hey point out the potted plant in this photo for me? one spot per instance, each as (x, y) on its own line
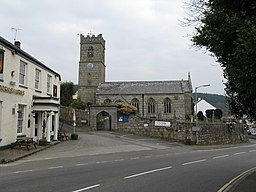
(74, 136)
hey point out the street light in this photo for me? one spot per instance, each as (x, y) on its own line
(205, 85)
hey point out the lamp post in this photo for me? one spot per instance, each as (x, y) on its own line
(205, 85)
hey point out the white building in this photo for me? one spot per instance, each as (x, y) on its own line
(29, 96)
(203, 105)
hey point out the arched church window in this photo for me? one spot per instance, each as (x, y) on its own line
(167, 105)
(90, 51)
(135, 103)
(151, 105)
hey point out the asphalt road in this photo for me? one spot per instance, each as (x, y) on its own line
(109, 162)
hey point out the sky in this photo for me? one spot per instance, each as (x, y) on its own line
(145, 39)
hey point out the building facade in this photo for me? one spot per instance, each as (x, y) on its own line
(153, 99)
(29, 96)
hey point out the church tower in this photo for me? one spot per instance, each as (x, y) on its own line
(91, 67)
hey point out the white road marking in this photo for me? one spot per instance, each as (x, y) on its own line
(57, 167)
(86, 188)
(101, 162)
(222, 156)
(239, 153)
(134, 158)
(126, 135)
(24, 171)
(227, 186)
(81, 164)
(117, 160)
(147, 172)
(254, 150)
(192, 162)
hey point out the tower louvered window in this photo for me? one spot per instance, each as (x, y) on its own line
(90, 51)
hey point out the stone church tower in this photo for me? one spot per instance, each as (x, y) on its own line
(91, 67)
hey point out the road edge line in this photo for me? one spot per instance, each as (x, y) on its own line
(236, 180)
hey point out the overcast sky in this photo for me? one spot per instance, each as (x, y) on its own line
(145, 39)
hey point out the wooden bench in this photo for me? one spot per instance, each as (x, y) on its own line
(24, 141)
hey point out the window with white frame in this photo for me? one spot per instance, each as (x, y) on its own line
(21, 120)
(37, 79)
(22, 79)
(49, 83)
(1, 64)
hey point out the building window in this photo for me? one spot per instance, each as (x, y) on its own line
(37, 79)
(135, 103)
(151, 106)
(167, 105)
(55, 91)
(23, 66)
(1, 64)
(49, 83)
(20, 125)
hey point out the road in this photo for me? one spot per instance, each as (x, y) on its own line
(112, 162)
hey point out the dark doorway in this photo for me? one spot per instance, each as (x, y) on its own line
(103, 121)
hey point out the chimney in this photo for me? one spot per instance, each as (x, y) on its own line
(17, 44)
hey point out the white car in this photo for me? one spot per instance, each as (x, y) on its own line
(253, 130)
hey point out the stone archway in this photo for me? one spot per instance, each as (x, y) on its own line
(103, 121)
(110, 112)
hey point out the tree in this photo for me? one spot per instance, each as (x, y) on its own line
(126, 108)
(200, 115)
(219, 114)
(78, 104)
(209, 113)
(66, 93)
(227, 29)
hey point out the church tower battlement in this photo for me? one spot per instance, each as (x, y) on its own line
(91, 67)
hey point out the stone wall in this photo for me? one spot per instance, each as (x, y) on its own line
(82, 117)
(209, 134)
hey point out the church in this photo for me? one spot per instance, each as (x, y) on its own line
(164, 100)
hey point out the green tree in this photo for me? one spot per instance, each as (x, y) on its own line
(66, 93)
(209, 113)
(78, 104)
(200, 115)
(218, 113)
(227, 29)
(126, 108)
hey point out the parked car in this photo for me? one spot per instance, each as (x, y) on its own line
(252, 131)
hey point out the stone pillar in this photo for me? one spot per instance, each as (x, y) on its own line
(32, 125)
(48, 127)
(40, 127)
(56, 126)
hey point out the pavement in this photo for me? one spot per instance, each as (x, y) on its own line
(245, 182)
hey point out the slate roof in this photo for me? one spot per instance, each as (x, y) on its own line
(144, 87)
(16, 50)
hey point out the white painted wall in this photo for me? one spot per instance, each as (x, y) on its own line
(9, 101)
